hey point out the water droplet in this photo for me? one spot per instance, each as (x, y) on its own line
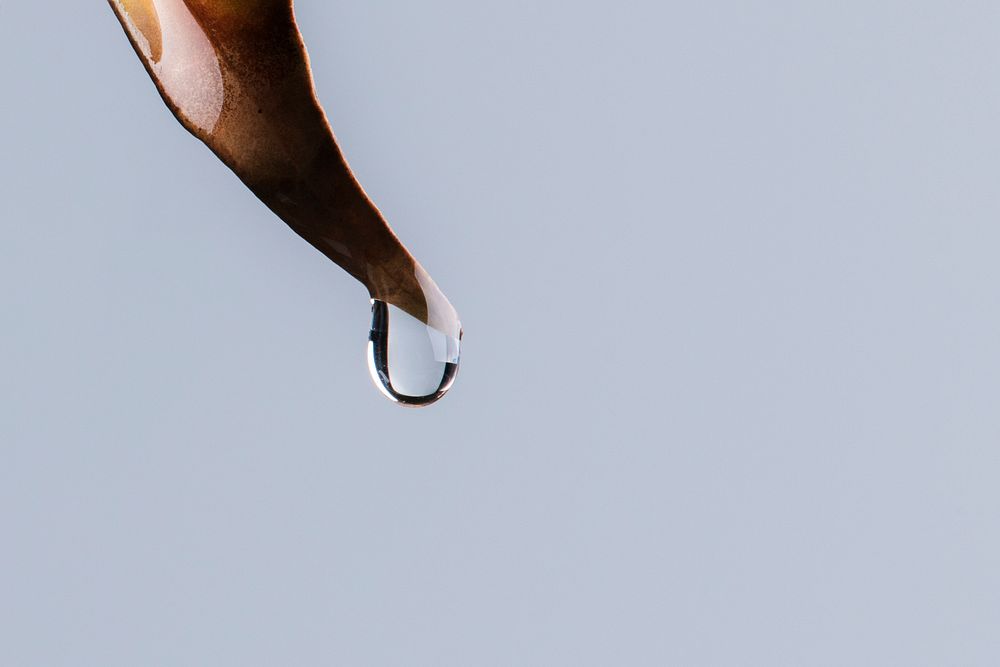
(412, 363)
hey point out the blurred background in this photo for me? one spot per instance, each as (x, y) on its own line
(729, 282)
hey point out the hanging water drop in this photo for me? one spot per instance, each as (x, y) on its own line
(412, 363)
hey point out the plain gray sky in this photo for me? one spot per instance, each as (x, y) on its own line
(730, 285)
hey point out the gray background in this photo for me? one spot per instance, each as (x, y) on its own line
(728, 273)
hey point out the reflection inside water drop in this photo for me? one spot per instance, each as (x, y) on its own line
(410, 362)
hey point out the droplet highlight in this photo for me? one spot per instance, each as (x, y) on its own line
(413, 364)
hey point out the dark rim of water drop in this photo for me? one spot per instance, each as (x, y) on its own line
(378, 357)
